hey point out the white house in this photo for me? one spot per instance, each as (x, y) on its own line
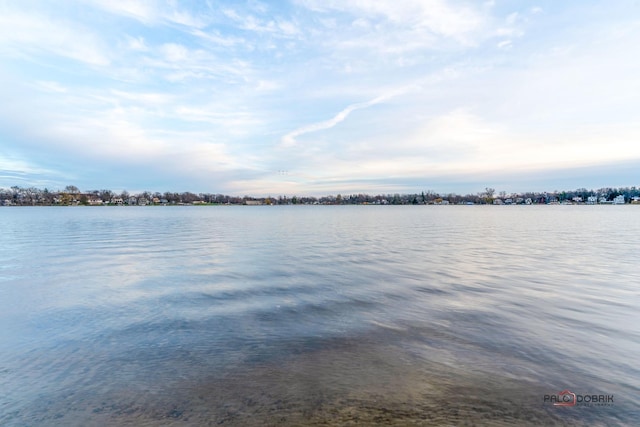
(619, 200)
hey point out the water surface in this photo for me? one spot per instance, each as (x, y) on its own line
(324, 315)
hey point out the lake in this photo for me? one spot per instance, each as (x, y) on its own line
(319, 315)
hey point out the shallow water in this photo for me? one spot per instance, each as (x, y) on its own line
(324, 315)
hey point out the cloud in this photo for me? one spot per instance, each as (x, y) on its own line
(174, 52)
(290, 139)
(276, 26)
(28, 35)
(15, 165)
(50, 86)
(417, 16)
(456, 146)
(142, 10)
(152, 12)
(213, 36)
(137, 44)
(147, 99)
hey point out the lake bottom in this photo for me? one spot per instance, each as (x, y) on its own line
(386, 377)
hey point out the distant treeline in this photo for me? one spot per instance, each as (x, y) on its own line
(71, 195)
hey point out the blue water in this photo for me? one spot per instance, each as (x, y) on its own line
(323, 315)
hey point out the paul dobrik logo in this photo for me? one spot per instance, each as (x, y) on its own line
(568, 398)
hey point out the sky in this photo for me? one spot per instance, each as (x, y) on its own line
(316, 97)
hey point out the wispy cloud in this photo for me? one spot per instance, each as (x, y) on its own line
(50, 86)
(216, 38)
(289, 139)
(15, 165)
(137, 44)
(417, 17)
(30, 35)
(152, 12)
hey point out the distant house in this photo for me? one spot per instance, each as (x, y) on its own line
(619, 200)
(132, 201)
(498, 202)
(95, 201)
(252, 202)
(117, 201)
(592, 200)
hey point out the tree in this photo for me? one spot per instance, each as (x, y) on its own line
(65, 199)
(72, 189)
(489, 192)
(106, 195)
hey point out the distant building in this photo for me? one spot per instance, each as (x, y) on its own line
(592, 200)
(252, 202)
(619, 200)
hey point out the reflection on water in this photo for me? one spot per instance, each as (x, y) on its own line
(358, 315)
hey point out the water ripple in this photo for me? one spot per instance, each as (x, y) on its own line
(317, 315)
